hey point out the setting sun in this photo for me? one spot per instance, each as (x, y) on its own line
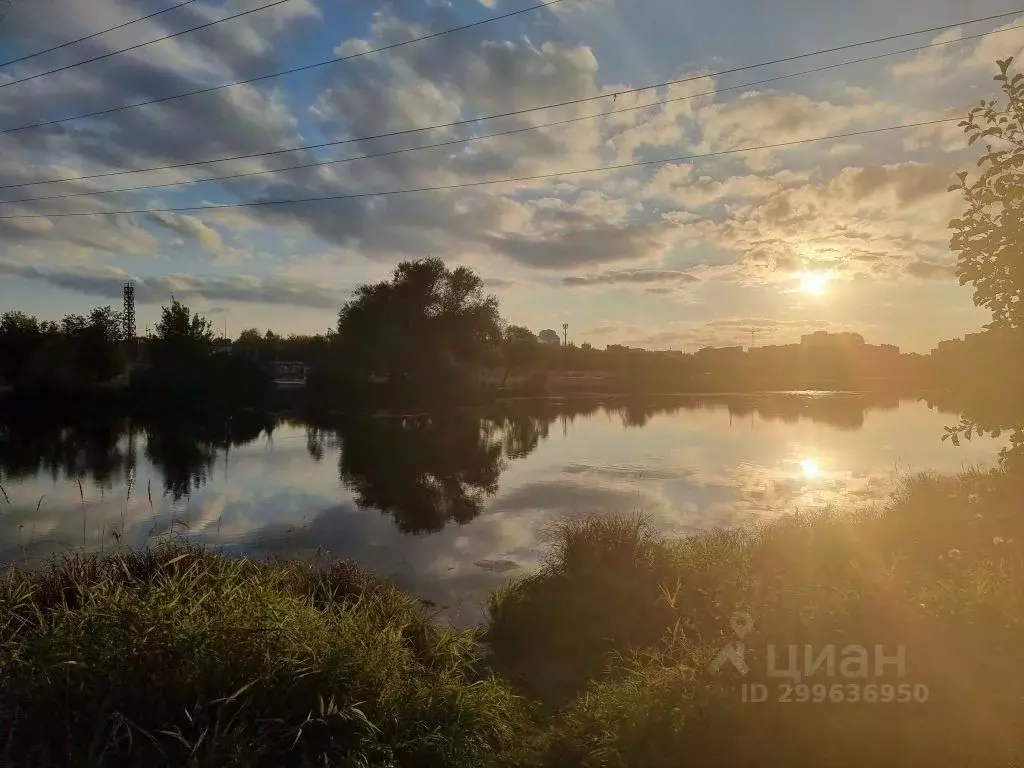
(813, 282)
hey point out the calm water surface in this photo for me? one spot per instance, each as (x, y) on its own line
(450, 505)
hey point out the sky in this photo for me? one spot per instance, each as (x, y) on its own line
(674, 254)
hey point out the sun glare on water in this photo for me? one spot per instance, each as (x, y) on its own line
(814, 283)
(810, 468)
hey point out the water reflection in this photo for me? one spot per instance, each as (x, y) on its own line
(98, 451)
(810, 469)
(479, 486)
(105, 452)
(424, 471)
(185, 451)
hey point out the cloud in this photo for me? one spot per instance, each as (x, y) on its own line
(757, 118)
(631, 277)
(109, 282)
(998, 44)
(870, 220)
(593, 245)
(679, 183)
(190, 227)
(929, 62)
(930, 270)
(499, 282)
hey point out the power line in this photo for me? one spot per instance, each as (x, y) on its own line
(324, 63)
(143, 45)
(471, 184)
(94, 34)
(467, 140)
(514, 113)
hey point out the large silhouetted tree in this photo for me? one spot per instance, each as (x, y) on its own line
(421, 325)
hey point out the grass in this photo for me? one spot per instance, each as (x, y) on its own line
(630, 623)
(182, 657)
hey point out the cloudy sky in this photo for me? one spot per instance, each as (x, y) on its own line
(668, 255)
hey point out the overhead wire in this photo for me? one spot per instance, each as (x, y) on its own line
(28, 56)
(513, 113)
(470, 139)
(111, 54)
(281, 73)
(489, 182)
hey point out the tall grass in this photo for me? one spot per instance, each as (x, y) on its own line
(178, 656)
(616, 633)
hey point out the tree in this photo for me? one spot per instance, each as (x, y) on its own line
(98, 351)
(20, 340)
(250, 337)
(421, 325)
(518, 334)
(990, 235)
(989, 240)
(181, 338)
(550, 337)
(520, 347)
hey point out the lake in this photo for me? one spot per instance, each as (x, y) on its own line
(449, 505)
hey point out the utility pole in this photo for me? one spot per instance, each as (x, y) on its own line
(128, 330)
(565, 334)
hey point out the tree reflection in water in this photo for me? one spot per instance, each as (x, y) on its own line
(101, 451)
(185, 451)
(425, 471)
(105, 452)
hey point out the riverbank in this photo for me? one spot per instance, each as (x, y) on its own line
(182, 657)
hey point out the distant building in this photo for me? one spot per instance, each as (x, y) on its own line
(289, 375)
(832, 340)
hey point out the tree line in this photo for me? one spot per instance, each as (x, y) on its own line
(429, 333)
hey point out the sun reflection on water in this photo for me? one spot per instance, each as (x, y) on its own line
(810, 469)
